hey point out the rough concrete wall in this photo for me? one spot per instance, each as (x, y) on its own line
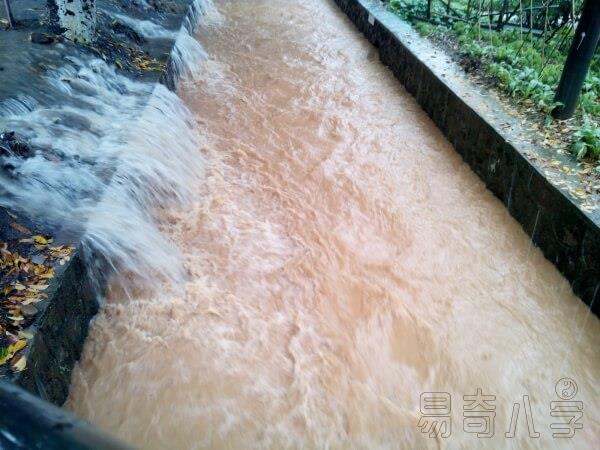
(61, 329)
(77, 17)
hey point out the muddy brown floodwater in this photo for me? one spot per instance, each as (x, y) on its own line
(342, 260)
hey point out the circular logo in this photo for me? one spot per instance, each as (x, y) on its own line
(566, 388)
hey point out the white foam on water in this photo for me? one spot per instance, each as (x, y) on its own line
(187, 56)
(146, 28)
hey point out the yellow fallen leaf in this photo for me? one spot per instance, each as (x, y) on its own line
(41, 240)
(48, 274)
(37, 287)
(19, 345)
(31, 300)
(19, 365)
(12, 349)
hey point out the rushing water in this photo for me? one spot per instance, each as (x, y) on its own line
(105, 161)
(340, 260)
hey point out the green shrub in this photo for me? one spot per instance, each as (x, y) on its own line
(587, 141)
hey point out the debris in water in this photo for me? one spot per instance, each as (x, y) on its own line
(20, 228)
(44, 38)
(12, 144)
(125, 30)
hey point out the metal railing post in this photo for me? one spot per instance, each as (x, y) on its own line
(583, 47)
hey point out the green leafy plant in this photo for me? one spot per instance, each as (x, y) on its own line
(587, 141)
(523, 66)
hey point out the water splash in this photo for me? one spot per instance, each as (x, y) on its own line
(186, 57)
(202, 13)
(158, 164)
(146, 28)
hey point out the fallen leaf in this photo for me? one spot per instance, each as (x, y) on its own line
(38, 287)
(28, 310)
(20, 228)
(8, 353)
(49, 273)
(41, 240)
(19, 365)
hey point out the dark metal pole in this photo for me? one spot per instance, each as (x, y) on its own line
(503, 12)
(429, 9)
(27, 422)
(579, 59)
(9, 15)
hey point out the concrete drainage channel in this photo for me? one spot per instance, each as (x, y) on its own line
(475, 124)
(61, 323)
